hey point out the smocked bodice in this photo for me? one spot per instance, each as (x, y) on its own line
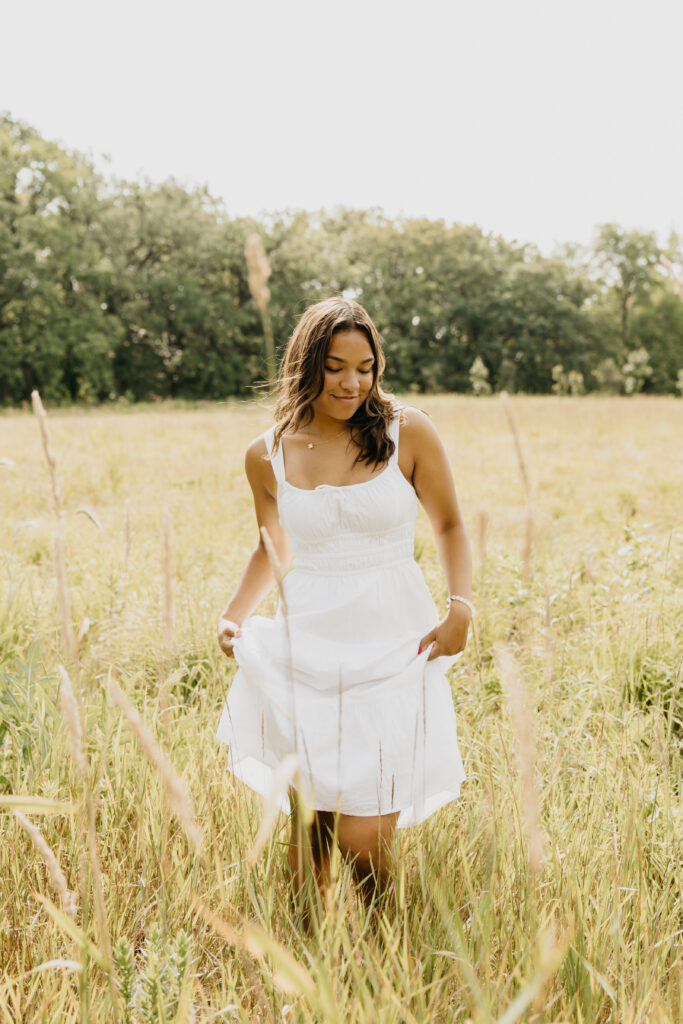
(349, 528)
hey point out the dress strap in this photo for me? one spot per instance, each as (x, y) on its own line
(277, 460)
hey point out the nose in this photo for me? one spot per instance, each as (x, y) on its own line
(349, 381)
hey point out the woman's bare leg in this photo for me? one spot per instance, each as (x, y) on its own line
(369, 842)
(308, 853)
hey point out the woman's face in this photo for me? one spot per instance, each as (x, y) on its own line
(349, 374)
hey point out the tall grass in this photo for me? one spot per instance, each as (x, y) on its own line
(133, 915)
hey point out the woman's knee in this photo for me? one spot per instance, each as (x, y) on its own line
(366, 839)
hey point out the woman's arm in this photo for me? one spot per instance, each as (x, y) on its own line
(257, 578)
(422, 453)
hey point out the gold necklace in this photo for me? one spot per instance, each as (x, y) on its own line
(318, 444)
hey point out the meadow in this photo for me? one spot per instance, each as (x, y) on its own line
(130, 889)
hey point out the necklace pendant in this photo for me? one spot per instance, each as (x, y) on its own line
(310, 444)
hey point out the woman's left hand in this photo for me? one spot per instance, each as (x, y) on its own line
(450, 636)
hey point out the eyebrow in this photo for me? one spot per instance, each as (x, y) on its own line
(340, 360)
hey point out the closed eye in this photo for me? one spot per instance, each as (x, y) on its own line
(338, 369)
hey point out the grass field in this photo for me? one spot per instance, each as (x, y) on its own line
(153, 927)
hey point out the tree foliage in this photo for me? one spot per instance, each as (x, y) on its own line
(140, 289)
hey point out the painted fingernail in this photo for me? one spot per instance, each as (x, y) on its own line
(419, 650)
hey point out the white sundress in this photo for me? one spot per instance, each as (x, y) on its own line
(339, 682)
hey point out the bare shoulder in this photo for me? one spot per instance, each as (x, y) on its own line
(256, 452)
(420, 449)
(417, 428)
(257, 465)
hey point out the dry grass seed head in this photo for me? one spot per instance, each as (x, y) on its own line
(39, 410)
(258, 270)
(522, 716)
(521, 460)
(482, 522)
(72, 716)
(63, 598)
(676, 280)
(57, 877)
(174, 785)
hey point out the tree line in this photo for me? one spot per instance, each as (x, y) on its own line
(112, 289)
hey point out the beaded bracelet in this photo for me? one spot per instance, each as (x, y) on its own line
(463, 600)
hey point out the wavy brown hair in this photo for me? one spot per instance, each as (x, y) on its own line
(302, 374)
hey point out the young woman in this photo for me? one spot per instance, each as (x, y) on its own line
(349, 675)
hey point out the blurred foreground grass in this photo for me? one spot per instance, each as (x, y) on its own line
(471, 931)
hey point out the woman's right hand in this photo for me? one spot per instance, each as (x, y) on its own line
(228, 631)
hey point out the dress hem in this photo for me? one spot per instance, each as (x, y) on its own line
(257, 776)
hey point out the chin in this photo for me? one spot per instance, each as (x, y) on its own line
(345, 411)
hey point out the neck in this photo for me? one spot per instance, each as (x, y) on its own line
(325, 426)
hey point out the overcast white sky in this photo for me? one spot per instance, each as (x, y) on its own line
(535, 119)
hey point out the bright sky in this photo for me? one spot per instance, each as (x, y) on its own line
(535, 119)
